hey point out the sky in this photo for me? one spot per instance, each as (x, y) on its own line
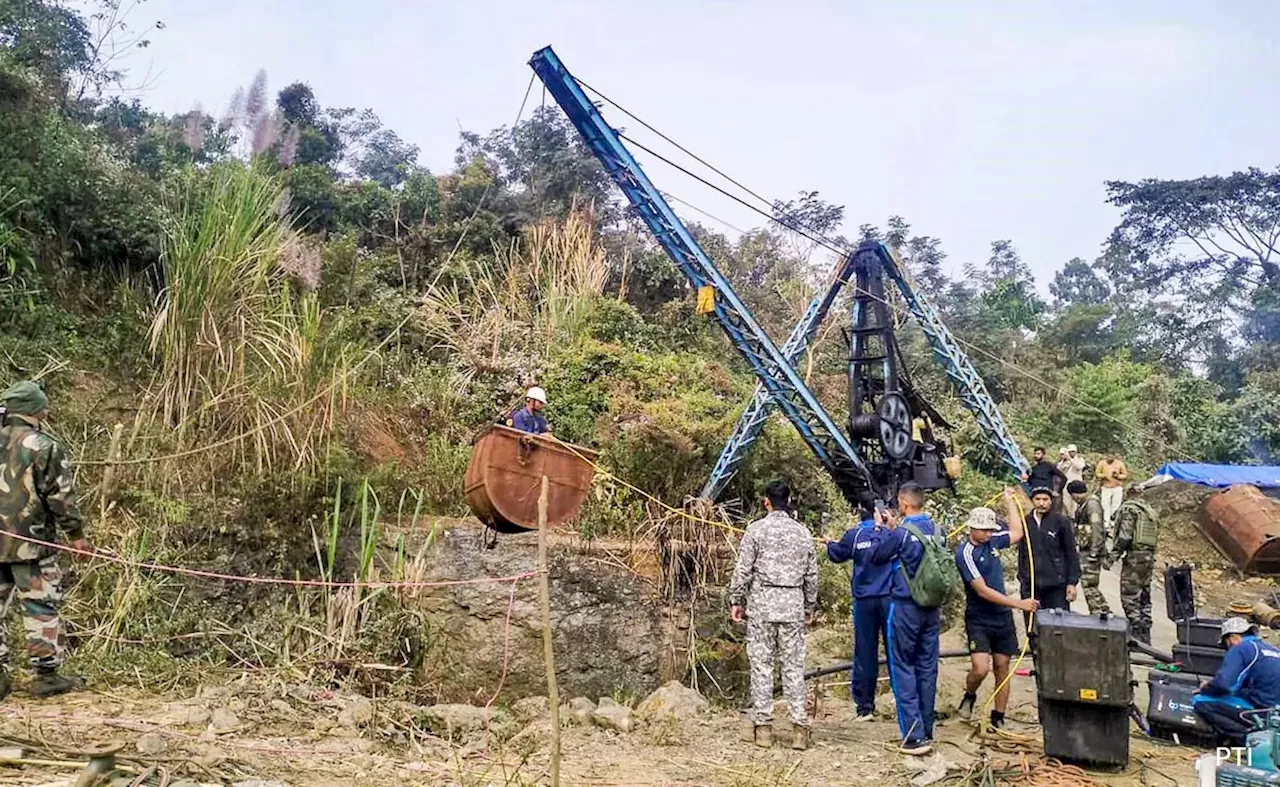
(975, 120)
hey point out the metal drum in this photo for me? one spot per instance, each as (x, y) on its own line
(505, 474)
(1244, 524)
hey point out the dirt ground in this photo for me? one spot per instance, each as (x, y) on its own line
(254, 729)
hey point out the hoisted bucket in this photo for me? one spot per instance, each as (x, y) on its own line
(505, 475)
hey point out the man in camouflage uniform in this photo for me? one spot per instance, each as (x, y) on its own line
(37, 501)
(775, 585)
(1091, 531)
(1136, 529)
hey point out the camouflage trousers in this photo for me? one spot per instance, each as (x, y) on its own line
(1135, 591)
(37, 586)
(784, 642)
(1090, 574)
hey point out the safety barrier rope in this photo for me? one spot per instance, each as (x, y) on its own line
(253, 580)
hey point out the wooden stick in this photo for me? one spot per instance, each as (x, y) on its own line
(548, 651)
(108, 475)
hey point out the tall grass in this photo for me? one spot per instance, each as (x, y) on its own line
(536, 292)
(239, 346)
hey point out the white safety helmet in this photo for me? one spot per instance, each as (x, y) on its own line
(537, 393)
(1235, 626)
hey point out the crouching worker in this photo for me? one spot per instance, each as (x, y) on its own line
(37, 501)
(775, 587)
(1249, 679)
(988, 611)
(870, 585)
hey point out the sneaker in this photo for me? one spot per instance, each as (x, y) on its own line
(965, 710)
(764, 735)
(800, 738)
(865, 717)
(997, 720)
(51, 684)
(915, 748)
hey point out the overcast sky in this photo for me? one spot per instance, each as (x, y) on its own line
(975, 120)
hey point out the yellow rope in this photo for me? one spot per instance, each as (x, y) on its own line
(1026, 639)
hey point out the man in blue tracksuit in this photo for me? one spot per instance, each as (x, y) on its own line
(1249, 679)
(870, 587)
(913, 630)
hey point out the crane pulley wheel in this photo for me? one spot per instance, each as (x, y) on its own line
(895, 426)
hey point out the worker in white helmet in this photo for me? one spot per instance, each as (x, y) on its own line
(530, 418)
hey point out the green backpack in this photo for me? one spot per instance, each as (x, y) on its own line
(937, 576)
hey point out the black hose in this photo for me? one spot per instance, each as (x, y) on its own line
(848, 665)
(1158, 655)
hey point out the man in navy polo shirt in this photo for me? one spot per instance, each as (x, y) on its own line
(870, 588)
(988, 610)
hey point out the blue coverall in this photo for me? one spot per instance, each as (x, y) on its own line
(913, 633)
(870, 588)
(1248, 679)
(527, 420)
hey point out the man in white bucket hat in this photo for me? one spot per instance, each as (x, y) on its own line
(988, 610)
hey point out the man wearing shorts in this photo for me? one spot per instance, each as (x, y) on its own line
(988, 611)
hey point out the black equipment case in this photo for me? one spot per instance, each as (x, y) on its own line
(1083, 682)
(1082, 658)
(1198, 660)
(1201, 632)
(1169, 713)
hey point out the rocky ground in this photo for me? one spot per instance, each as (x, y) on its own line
(258, 733)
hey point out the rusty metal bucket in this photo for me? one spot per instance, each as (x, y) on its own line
(505, 475)
(1244, 524)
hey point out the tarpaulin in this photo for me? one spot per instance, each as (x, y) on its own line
(1262, 476)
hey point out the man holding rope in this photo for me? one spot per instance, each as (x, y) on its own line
(37, 501)
(988, 610)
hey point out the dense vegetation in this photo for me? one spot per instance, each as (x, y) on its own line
(292, 273)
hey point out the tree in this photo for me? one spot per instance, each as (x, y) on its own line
(547, 166)
(1007, 288)
(1231, 224)
(1078, 284)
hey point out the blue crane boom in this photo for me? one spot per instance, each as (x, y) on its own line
(761, 405)
(774, 370)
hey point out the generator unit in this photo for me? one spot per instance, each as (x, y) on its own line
(1084, 687)
(1169, 712)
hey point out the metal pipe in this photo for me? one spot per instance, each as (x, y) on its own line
(1158, 655)
(824, 671)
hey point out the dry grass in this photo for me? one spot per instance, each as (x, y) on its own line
(534, 294)
(240, 350)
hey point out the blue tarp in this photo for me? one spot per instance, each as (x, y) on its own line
(1262, 476)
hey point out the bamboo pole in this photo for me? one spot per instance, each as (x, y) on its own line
(548, 650)
(108, 475)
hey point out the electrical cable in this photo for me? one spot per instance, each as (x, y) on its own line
(818, 238)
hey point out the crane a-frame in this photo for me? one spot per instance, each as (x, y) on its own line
(876, 453)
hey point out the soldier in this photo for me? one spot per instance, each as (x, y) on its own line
(37, 501)
(1136, 529)
(1091, 530)
(775, 585)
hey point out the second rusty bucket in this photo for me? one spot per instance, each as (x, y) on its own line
(505, 475)
(1244, 524)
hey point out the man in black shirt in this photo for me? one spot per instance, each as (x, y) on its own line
(1053, 545)
(1046, 475)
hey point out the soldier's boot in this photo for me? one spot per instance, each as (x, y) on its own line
(764, 735)
(748, 731)
(49, 683)
(6, 683)
(800, 738)
(1142, 635)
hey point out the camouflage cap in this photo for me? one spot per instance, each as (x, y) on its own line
(25, 398)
